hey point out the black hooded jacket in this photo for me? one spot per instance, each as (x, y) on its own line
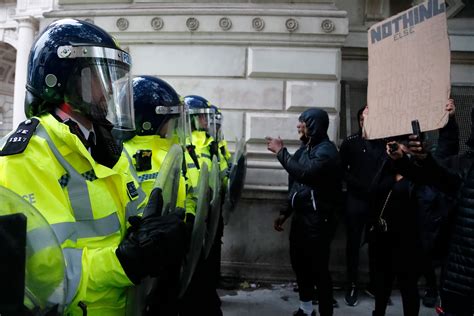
(314, 178)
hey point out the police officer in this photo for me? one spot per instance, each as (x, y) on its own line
(159, 124)
(65, 157)
(202, 294)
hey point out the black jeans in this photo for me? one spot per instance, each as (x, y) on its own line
(310, 261)
(396, 256)
(357, 216)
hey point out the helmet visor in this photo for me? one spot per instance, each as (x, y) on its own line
(203, 120)
(101, 90)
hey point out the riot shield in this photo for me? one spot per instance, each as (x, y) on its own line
(199, 230)
(236, 181)
(44, 272)
(168, 178)
(215, 207)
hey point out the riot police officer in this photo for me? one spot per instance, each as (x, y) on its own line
(159, 120)
(65, 157)
(202, 289)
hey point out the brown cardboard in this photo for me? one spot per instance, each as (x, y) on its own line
(409, 71)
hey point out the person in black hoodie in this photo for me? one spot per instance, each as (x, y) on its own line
(314, 197)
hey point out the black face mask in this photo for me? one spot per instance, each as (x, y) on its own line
(107, 149)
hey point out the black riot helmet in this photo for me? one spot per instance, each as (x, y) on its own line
(155, 102)
(78, 63)
(201, 114)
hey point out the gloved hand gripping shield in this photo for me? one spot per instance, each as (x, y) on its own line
(45, 271)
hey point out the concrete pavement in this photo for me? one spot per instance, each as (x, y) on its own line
(281, 300)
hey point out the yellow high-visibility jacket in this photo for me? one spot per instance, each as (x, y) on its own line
(159, 148)
(201, 144)
(87, 206)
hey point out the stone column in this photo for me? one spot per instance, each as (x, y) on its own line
(26, 32)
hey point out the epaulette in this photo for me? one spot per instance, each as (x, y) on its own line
(353, 136)
(18, 140)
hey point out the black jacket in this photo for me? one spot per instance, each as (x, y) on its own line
(360, 160)
(456, 178)
(314, 181)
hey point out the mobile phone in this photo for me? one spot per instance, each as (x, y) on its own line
(415, 125)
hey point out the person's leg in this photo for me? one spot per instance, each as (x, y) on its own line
(322, 277)
(407, 281)
(431, 289)
(383, 271)
(301, 264)
(356, 217)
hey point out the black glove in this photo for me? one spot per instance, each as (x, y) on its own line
(153, 244)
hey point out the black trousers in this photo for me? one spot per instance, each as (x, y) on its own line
(310, 261)
(396, 257)
(356, 216)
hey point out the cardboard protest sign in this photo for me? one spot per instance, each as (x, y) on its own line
(409, 71)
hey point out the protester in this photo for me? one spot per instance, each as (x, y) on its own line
(455, 178)
(80, 179)
(433, 210)
(358, 156)
(314, 197)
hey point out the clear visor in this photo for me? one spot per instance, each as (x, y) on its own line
(101, 89)
(176, 127)
(218, 124)
(203, 120)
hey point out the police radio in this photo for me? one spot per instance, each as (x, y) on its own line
(143, 159)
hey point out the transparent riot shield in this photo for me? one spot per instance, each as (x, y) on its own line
(45, 282)
(168, 178)
(235, 185)
(215, 207)
(168, 181)
(199, 230)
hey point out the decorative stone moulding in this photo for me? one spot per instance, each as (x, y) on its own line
(225, 24)
(328, 26)
(258, 24)
(122, 24)
(291, 25)
(192, 24)
(157, 23)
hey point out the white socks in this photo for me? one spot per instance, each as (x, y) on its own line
(307, 307)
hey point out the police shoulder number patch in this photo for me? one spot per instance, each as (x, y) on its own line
(19, 139)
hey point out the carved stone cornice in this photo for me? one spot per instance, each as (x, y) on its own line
(219, 25)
